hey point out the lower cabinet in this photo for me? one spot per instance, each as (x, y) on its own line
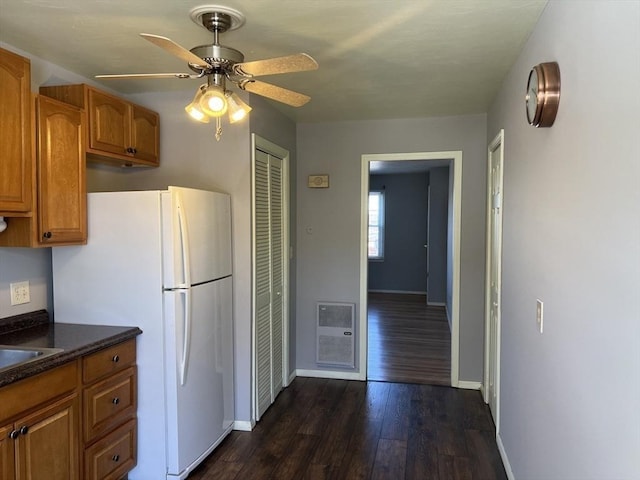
(109, 405)
(40, 427)
(76, 421)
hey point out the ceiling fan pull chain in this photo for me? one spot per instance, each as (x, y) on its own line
(218, 129)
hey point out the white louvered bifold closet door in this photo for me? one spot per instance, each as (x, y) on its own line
(268, 279)
(275, 183)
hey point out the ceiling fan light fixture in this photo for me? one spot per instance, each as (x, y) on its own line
(213, 101)
(237, 108)
(194, 110)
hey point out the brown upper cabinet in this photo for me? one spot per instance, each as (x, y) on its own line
(118, 131)
(16, 160)
(59, 213)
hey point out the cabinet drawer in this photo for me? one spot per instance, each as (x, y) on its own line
(109, 403)
(23, 395)
(113, 456)
(108, 361)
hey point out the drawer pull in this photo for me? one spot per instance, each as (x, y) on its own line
(24, 430)
(115, 400)
(116, 358)
(116, 458)
(14, 434)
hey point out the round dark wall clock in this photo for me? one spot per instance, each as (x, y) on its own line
(543, 94)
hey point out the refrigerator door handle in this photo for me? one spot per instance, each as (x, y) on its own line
(186, 329)
(184, 241)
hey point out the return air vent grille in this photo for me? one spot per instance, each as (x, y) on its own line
(335, 339)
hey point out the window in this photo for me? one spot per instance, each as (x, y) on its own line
(376, 225)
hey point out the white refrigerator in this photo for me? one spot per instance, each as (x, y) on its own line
(161, 260)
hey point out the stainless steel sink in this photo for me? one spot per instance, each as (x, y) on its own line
(12, 356)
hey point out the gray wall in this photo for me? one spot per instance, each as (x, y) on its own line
(405, 261)
(438, 228)
(190, 156)
(328, 258)
(571, 238)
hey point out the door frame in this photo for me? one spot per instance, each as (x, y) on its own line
(257, 142)
(455, 156)
(496, 145)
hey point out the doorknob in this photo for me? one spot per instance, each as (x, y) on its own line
(426, 246)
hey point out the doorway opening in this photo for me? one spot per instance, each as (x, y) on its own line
(383, 303)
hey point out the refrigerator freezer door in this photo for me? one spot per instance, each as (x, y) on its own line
(196, 228)
(200, 411)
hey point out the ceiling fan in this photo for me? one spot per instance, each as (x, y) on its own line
(219, 63)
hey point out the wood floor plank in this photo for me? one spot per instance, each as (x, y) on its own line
(391, 457)
(293, 465)
(456, 468)
(357, 463)
(484, 456)
(396, 416)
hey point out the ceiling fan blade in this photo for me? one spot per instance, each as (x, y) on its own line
(149, 75)
(273, 92)
(175, 49)
(300, 62)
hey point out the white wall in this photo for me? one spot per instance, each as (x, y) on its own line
(328, 258)
(570, 397)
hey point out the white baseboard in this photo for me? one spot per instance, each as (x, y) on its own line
(244, 425)
(505, 459)
(330, 374)
(292, 377)
(436, 304)
(409, 292)
(469, 385)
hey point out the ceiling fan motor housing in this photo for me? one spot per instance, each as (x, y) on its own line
(218, 56)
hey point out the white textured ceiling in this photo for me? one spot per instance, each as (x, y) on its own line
(378, 58)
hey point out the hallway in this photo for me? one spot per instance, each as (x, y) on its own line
(329, 429)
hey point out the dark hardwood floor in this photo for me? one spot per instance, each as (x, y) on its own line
(339, 429)
(408, 341)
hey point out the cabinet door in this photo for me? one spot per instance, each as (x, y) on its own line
(48, 448)
(109, 123)
(16, 168)
(145, 126)
(7, 459)
(62, 200)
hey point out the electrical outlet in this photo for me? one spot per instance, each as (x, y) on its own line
(20, 293)
(539, 314)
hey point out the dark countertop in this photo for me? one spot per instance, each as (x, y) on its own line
(35, 330)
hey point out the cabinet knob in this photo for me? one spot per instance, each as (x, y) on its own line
(115, 400)
(46, 234)
(116, 458)
(115, 359)
(24, 430)
(130, 150)
(14, 434)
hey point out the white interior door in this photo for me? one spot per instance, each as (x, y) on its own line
(494, 276)
(270, 274)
